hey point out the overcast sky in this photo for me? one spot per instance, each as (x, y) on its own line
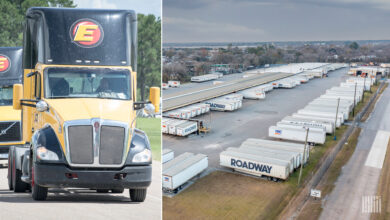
(140, 6)
(274, 20)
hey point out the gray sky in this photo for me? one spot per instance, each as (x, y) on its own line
(274, 20)
(140, 6)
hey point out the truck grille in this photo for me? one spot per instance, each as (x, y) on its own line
(111, 145)
(95, 143)
(10, 131)
(81, 144)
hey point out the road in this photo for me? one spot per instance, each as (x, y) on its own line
(80, 203)
(360, 176)
(230, 129)
(190, 96)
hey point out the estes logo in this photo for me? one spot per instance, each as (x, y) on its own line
(4, 63)
(86, 33)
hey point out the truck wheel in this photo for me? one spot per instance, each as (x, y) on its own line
(117, 190)
(38, 192)
(10, 165)
(102, 190)
(137, 195)
(19, 185)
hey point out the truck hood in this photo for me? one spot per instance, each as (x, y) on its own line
(87, 108)
(7, 113)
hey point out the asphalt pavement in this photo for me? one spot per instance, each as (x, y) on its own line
(230, 129)
(80, 203)
(359, 177)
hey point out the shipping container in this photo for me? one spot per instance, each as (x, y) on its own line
(176, 176)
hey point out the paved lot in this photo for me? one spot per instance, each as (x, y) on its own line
(357, 178)
(80, 203)
(230, 129)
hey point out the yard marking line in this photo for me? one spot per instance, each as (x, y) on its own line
(377, 153)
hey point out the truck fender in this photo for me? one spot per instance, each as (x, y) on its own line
(47, 137)
(18, 155)
(139, 142)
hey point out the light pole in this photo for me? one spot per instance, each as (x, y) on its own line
(335, 121)
(304, 156)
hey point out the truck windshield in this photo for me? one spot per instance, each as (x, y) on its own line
(6, 96)
(87, 83)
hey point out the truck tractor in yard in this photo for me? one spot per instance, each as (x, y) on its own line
(78, 104)
(10, 74)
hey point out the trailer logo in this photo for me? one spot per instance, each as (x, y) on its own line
(251, 166)
(278, 132)
(4, 63)
(86, 33)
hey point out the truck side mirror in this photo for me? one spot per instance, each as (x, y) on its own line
(17, 96)
(154, 97)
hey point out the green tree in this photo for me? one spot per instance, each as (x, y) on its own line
(149, 53)
(12, 14)
(354, 46)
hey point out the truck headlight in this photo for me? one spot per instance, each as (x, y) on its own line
(143, 156)
(45, 154)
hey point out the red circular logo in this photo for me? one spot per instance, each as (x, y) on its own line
(4, 63)
(86, 33)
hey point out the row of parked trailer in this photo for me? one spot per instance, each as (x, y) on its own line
(178, 127)
(275, 160)
(179, 170)
(189, 111)
(206, 77)
(322, 115)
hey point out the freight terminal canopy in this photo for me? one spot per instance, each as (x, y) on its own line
(10, 65)
(80, 37)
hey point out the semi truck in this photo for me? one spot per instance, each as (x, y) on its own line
(78, 103)
(10, 73)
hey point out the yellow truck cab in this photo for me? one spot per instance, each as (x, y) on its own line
(78, 104)
(10, 74)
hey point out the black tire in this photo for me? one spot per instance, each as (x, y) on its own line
(102, 190)
(137, 195)
(10, 166)
(118, 190)
(38, 192)
(19, 185)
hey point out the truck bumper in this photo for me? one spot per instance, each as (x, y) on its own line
(57, 175)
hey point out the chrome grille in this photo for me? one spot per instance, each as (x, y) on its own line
(81, 144)
(96, 143)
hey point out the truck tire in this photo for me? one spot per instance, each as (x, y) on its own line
(102, 190)
(38, 192)
(9, 174)
(118, 190)
(18, 184)
(137, 195)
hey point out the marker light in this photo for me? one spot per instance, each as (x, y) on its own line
(45, 154)
(143, 156)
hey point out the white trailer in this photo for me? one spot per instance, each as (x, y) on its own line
(164, 86)
(204, 78)
(253, 94)
(345, 93)
(283, 124)
(173, 125)
(174, 177)
(322, 114)
(295, 155)
(259, 153)
(174, 83)
(308, 122)
(165, 124)
(316, 136)
(280, 145)
(187, 128)
(177, 160)
(318, 118)
(342, 97)
(167, 155)
(255, 165)
(340, 111)
(332, 104)
(233, 96)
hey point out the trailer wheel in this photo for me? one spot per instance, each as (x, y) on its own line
(137, 195)
(10, 165)
(38, 192)
(102, 190)
(118, 190)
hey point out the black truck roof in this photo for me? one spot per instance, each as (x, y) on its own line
(10, 65)
(70, 36)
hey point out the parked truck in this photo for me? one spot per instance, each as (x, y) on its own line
(78, 103)
(10, 73)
